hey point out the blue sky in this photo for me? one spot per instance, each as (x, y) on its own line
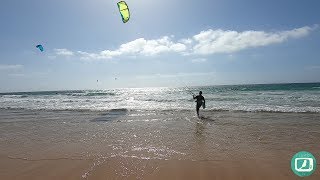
(165, 43)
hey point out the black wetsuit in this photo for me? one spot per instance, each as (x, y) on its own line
(199, 100)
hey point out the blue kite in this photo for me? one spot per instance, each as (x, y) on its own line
(40, 47)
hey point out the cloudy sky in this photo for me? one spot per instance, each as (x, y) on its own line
(165, 43)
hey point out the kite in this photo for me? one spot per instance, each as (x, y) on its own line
(40, 47)
(124, 11)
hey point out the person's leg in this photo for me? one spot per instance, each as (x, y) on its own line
(198, 110)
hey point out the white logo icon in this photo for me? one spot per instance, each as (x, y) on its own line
(303, 164)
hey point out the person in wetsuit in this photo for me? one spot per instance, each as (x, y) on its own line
(200, 101)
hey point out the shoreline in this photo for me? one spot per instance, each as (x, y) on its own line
(153, 110)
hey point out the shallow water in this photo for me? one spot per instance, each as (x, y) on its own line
(130, 137)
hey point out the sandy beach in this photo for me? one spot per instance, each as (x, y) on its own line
(123, 144)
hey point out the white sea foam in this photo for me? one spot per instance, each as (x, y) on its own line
(273, 98)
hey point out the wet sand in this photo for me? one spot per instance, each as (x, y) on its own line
(123, 144)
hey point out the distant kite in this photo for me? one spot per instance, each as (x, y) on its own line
(40, 47)
(124, 11)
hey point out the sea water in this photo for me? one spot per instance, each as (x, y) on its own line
(300, 97)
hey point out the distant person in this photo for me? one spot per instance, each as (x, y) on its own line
(200, 102)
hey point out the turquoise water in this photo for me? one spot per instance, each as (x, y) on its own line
(260, 97)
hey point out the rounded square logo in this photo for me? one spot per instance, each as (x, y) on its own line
(303, 163)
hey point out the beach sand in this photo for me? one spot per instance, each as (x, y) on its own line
(123, 144)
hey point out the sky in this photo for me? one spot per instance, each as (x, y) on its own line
(166, 43)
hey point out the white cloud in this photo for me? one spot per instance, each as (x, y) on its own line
(138, 47)
(199, 60)
(205, 43)
(10, 67)
(152, 76)
(85, 55)
(220, 41)
(186, 41)
(63, 52)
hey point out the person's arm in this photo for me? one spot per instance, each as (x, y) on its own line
(204, 101)
(194, 96)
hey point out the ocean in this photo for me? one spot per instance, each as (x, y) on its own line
(298, 97)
